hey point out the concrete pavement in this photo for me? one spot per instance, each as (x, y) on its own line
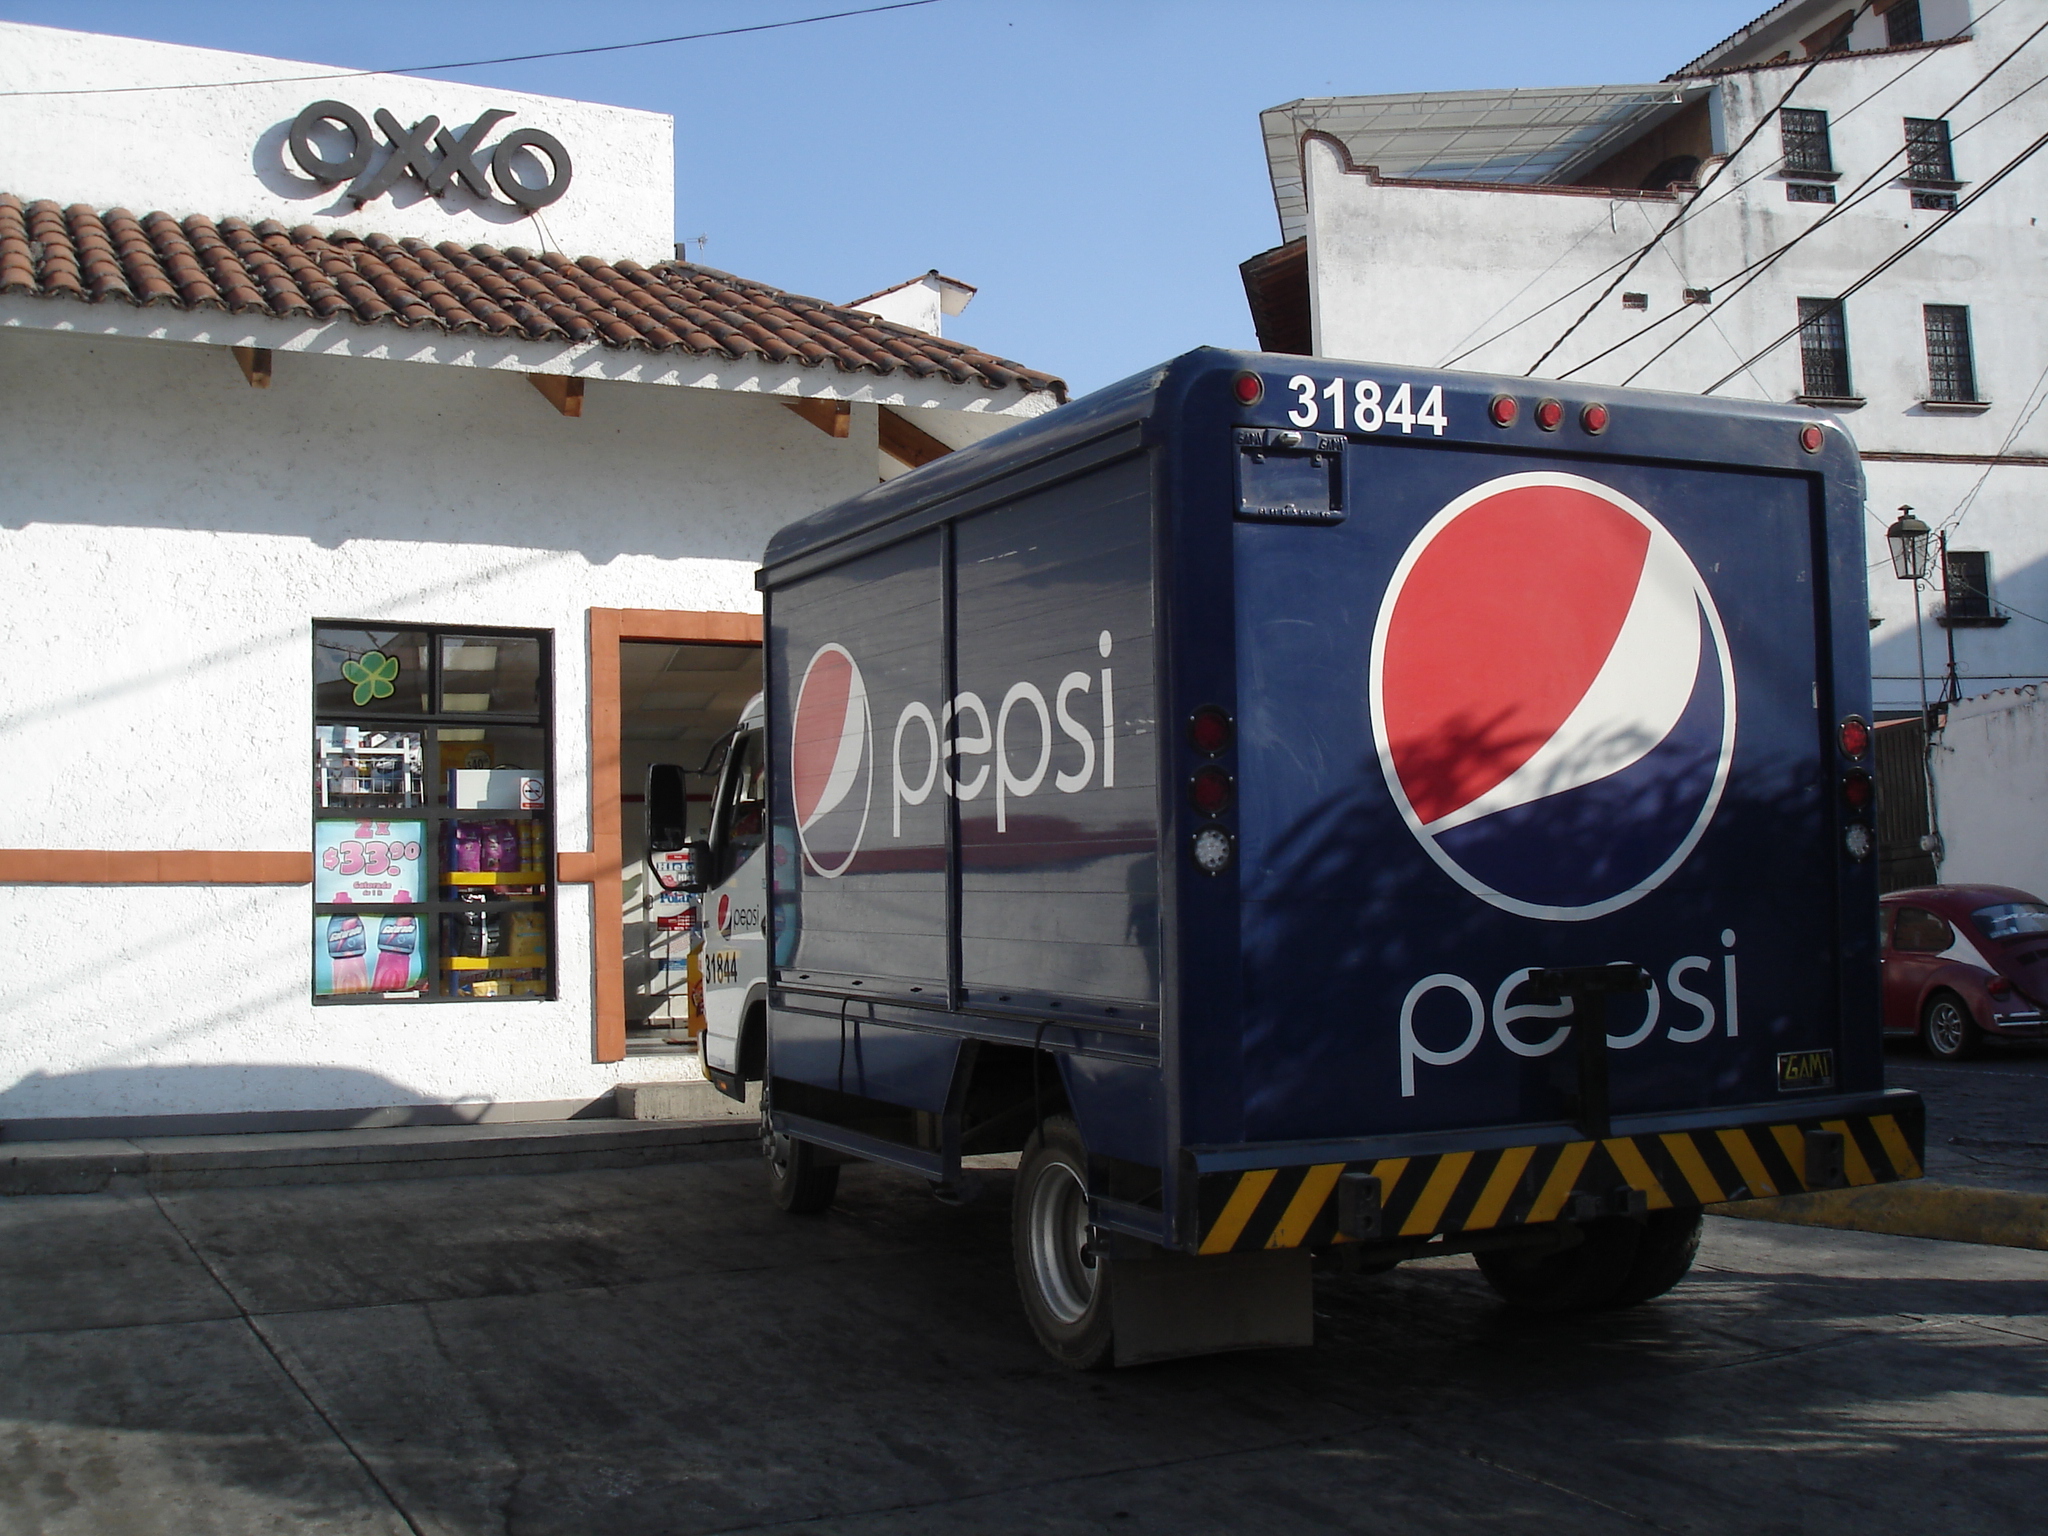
(657, 1349)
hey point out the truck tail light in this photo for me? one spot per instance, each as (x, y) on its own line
(1855, 737)
(1549, 414)
(1210, 790)
(1594, 418)
(1811, 439)
(1858, 790)
(1857, 841)
(1209, 730)
(1502, 410)
(1214, 850)
(1249, 388)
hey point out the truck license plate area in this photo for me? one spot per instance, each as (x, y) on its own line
(1289, 477)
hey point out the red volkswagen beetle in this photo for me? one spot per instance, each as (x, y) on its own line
(1963, 964)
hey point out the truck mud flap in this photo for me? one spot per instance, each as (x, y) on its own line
(1315, 1205)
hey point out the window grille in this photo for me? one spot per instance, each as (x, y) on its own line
(1902, 24)
(1951, 369)
(1966, 584)
(1927, 150)
(1823, 349)
(1804, 135)
(1809, 192)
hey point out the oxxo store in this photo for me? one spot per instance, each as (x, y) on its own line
(364, 549)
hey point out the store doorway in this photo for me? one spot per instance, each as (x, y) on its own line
(677, 702)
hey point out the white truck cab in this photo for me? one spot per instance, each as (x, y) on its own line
(734, 872)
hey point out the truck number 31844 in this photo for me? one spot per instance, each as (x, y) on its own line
(1361, 407)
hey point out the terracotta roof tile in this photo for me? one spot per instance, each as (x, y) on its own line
(80, 254)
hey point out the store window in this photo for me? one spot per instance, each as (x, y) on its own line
(1823, 350)
(432, 820)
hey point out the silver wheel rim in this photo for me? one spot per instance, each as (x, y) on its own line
(1059, 1233)
(776, 1149)
(1945, 1028)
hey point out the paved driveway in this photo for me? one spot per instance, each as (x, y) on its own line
(659, 1350)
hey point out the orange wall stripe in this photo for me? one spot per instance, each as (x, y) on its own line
(174, 866)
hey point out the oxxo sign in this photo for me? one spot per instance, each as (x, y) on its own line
(431, 152)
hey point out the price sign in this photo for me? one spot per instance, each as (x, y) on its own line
(373, 863)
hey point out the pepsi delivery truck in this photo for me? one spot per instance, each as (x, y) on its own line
(1318, 814)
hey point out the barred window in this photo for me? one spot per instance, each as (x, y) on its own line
(1951, 370)
(1927, 150)
(1804, 135)
(1809, 192)
(1966, 584)
(1902, 24)
(1823, 349)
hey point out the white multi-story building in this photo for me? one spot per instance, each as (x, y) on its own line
(1691, 234)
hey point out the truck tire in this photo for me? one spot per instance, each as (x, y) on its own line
(1669, 1242)
(1588, 1275)
(1065, 1287)
(797, 1180)
(1946, 1028)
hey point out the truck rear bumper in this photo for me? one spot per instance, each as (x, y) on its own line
(1652, 1163)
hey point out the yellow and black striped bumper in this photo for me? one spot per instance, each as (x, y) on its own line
(1456, 1192)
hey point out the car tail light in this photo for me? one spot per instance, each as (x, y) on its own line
(1855, 737)
(1502, 410)
(1999, 987)
(1594, 419)
(1209, 730)
(1249, 388)
(1549, 414)
(1858, 790)
(1210, 790)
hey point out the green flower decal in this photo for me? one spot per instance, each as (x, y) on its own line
(373, 673)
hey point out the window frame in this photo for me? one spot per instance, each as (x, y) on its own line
(1902, 16)
(1977, 602)
(1948, 931)
(1961, 372)
(1930, 154)
(1824, 314)
(1796, 148)
(433, 905)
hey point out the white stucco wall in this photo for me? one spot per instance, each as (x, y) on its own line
(1990, 767)
(221, 152)
(169, 535)
(1485, 280)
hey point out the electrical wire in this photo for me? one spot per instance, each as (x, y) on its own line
(1761, 124)
(510, 58)
(1863, 190)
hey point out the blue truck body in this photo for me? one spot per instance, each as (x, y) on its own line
(1514, 676)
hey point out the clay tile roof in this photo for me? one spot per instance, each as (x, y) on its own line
(88, 256)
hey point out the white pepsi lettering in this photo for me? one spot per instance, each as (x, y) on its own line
(1653, 1005)
(1074, 783)
(1728, 981)
(1334, 393)
(1413, 1050)
(949, 721)
(1108, 719)
(1008, 784)
(1304, 414)
(1506, 1013)
(904, 794)
(1685, 994)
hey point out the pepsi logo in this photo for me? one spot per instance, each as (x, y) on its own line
(831, 769)
(725, 914)
(1552, 697)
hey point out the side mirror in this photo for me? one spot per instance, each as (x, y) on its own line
(668, 807)
(686, 869)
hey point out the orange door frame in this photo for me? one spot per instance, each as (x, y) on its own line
(600, 867)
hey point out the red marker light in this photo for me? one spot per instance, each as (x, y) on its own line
(1209, 790)
(1811, 438)
(1858, 790)
(1549, 415)
(1249, 388)
(1999, 987)
(1501, 410)
(1594, 419)
(1209, 730)
(1855, 737)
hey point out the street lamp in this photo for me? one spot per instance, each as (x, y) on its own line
(1910, 540)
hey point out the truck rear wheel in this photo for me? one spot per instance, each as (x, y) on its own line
(1669, 1242)
(798, 1180)
(1589, 1274)
(1064, 1284)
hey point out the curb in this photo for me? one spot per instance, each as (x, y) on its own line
(1956, 1213)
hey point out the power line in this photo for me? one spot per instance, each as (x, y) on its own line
(1892, 260)
(1868, 187)
(1637, 261)
(510, 58)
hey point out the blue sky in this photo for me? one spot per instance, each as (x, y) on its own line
(1095, 169)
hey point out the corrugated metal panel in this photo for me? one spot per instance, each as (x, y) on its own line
(1902, 819)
